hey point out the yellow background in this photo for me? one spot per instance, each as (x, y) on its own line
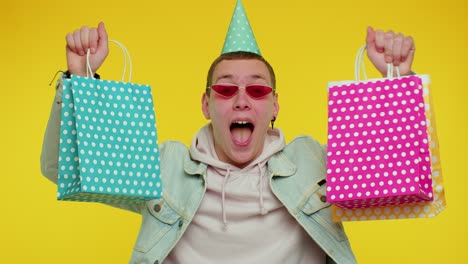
(172, 44)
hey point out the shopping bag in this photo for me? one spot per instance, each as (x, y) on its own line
(108, 148)
(383, 159)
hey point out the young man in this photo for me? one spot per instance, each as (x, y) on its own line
(239, 194)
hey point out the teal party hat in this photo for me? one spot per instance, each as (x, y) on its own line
(240, 36)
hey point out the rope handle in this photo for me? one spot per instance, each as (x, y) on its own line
(126, 54)
(359, 63)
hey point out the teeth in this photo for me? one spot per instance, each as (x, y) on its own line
(241, 122)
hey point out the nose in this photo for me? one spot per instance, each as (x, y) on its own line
(241, 100)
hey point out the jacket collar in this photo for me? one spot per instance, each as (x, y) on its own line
(280, 165)
(192, 167)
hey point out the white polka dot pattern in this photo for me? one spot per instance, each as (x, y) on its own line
(240, 36)
(108, 142)
(378, 151)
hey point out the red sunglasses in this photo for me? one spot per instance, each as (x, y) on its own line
(255, 91)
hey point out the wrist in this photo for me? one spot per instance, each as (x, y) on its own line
(67, 74)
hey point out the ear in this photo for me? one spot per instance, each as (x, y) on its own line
(205, 107)
(275, 105)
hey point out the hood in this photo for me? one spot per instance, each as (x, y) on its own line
(202, 149)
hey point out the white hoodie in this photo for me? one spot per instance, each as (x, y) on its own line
(240, 220)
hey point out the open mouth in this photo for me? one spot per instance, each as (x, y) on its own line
(241, 131)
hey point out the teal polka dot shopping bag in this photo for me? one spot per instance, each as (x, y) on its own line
(108, 148)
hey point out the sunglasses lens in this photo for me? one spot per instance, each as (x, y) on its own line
(254, 91)
(225, 90)
(258, 91)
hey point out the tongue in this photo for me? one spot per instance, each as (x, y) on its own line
(241, 134)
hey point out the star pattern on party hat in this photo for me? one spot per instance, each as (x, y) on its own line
(240, 36)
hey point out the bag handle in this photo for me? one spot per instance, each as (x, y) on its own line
(359, 62)
(126, 54)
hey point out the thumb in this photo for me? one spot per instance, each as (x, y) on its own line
(370, 38)
(102, 35)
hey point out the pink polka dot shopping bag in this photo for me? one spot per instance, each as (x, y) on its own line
(108, 148)
(383, 156)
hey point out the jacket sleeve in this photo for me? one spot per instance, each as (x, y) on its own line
(50, 145)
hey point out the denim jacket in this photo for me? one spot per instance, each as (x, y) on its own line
(296, 176)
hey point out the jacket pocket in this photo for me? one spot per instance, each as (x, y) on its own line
(158, 220)
(317, 200)
(319, 210)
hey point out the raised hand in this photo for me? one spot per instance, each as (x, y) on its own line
(388, 47)
(79, 41)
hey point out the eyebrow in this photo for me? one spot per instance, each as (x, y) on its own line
(225, 76)
(230, 76)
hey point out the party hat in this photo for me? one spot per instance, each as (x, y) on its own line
(240, 36)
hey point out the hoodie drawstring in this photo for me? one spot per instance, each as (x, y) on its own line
(223, 198)
(263, 211)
